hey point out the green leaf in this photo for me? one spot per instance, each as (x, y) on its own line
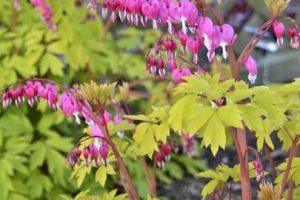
(199, 116)
(144, 138)
(252, 117)
(181, 111)
(38, 156)
(138, 117)
(56, 48)
(209, 188)
(123, 126)
(101, 175)
(60, 143)
(23, 124)
(162, 131)
(80, 172)
(214, 134)
(52, 63)
(230, 115)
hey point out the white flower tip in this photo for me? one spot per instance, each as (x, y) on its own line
(252, 78)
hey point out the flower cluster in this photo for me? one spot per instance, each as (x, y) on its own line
(46, 12)
(164, 154)
(71, 105)
(196, 31)
(33, 91)
(90, 154)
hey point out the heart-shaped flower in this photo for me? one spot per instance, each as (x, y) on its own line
(177, 74)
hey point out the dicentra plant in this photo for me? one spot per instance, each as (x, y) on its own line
(214, 108)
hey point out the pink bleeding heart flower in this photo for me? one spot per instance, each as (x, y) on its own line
(6, 99)
(294, 41)
(167, 152)
(279, 31)
(70, 106)
(113, 5)
(164, 15)
(134, 9)
(161, 67)
(86, 154)
(215, 42)
(104, 153)
(206, 29)
(251, 66)
(183, 40)
(177, 74)
(172, 64)
(150, 65)
(160, 159)
(29, 93)
(194, 44)
(151, 10)
(227, 38)
(183, 11)
(104, 8)
(122, 9)
(94, 155)
(17, 95)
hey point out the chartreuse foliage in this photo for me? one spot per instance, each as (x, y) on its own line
(112, 195)
(201, 110)
(32, 151)
(27, 152)
(222, 177)
(153, 129)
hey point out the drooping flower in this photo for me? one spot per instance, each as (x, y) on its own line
(86, 154)
(178, 73)
(150, 65)
(183, 11)
(167, 152)
(258, 170)
(172, 64)
(206, 29)
(151, 10)
(17, 95)
(70, 106)
(194, 44)
(279, 31)
(104, 153)
(188, 145)
(94, 155)
(183, 40)
(227, 38)
(251, 66)
(113, 5)
(160, 159)
(294, 41)
(215, 42)
(161, 67)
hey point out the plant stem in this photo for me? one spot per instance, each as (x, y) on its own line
(293, 153)
(290, 190)
(239, 137)
(148, 178)
(235, 71)
(271, 163)
(220, 69)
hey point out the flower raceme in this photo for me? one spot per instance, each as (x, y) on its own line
(196, 31)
